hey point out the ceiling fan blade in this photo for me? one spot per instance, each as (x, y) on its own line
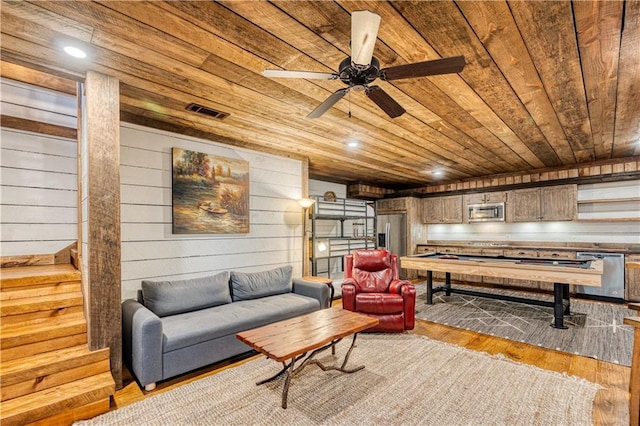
(309, 75)
(328, 103)
(364, 32)
(384, 101)
(422, 69)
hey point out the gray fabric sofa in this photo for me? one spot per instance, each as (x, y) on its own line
(178, 326)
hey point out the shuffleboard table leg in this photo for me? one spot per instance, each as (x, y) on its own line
(429, 287)
(558, 305)
(447, 283)
(566, 298)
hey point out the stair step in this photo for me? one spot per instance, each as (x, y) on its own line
(17, 334)
(50, 402)
(37, 372)
(39, 290)
(46, 302)
(44, 346)
(40, 316)
(22, 276)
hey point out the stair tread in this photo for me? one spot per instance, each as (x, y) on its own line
(34, 275)
(14, 335)
(11, 330)
(45, 402)
(48, 359)
(40, 303)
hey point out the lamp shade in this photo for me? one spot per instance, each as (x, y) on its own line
(306, 202)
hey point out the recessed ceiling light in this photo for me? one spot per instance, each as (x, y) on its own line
(437, 173)
(352, 144)
(75, 52)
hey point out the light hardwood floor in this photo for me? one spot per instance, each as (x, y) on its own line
(611, 404)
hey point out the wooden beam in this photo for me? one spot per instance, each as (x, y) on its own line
(102, 125)
(37, 127)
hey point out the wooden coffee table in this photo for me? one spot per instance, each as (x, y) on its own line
(291, 340)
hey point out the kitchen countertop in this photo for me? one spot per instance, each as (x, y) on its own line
(599, 248)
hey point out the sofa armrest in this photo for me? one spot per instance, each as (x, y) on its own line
(316, 290)
(142, 341)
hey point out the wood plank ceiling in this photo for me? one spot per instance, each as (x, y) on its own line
(546, 83)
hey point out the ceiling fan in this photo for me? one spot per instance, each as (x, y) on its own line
(360, 69)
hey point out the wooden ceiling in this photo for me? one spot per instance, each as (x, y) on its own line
(546, 84)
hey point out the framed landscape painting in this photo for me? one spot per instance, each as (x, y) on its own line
(210, 194)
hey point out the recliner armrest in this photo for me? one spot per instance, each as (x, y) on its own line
(316, 290)
(396, 286)
(142, 341)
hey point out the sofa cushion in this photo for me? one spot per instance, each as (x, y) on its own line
(200, 326)
(174, 297)
(246, 286)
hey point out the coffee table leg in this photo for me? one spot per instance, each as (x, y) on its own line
(285, 390)
(342, 368)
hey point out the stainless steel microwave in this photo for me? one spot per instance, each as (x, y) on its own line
(486, 212)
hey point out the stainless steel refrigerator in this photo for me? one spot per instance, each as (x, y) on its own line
(392, 234)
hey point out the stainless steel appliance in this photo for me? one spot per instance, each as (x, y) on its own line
(612, 289)
(485, 212)
(392, 234)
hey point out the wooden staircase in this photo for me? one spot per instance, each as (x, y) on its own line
(48, 375)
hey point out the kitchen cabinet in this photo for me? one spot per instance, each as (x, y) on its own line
(391, 205)
(485, 197)
(632, 279)
(551, 203)
(443, 209)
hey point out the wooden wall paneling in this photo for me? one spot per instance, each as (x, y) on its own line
(625, 141)
(102, 125)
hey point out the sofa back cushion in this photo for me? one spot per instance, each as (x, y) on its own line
(245, 286)
(175, 297)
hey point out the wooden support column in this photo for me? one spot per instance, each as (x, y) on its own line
(305, 218)
(101, 128)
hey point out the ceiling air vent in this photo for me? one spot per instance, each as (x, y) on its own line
(207, 111)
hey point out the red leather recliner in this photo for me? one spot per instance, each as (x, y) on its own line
(372, 287)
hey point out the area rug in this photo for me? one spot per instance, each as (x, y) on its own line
(595, 328)
(408, 380)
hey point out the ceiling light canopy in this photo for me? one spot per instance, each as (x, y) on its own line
(76, 52)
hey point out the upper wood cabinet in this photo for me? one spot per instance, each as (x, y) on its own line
(391, 205)
(542, 204)
(443, 209)
(485, 197)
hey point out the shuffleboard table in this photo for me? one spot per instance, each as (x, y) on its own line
(560, 272)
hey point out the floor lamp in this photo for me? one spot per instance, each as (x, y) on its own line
(305, 203)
